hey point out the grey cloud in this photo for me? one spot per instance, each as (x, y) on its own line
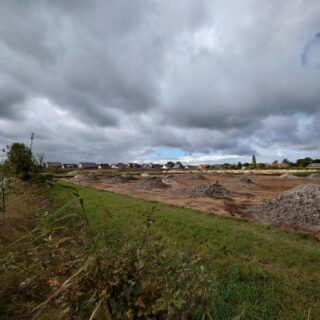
(134, 76)
(11, 102)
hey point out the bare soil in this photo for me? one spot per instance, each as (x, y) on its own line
(262, 189)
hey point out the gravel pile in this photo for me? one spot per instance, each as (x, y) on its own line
(297, 207)
(288, 176)
(195, 176)
(314, 176)
(128, 176)
(152, 183)
(212, 190)
(171, 179)
(84, 178)
(246, 181)
(118, 179)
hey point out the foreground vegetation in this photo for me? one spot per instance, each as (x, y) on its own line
(259, 272)
(124, 258)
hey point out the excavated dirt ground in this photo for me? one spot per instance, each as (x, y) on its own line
(262, 189)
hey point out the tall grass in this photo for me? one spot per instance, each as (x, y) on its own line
(80, 275)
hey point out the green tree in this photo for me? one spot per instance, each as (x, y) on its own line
(40, 159)
(170, 164)
(20, 160)
(254, 162)
(304, 162)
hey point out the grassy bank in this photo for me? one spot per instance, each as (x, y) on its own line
(259, 272)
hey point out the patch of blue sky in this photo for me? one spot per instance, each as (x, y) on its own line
(164, 153)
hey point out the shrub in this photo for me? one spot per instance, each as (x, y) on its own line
(20, 160)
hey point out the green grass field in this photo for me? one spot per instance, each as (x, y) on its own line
(260, 272)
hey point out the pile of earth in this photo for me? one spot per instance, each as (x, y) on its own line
(288, 176)
(128, 176)
(245, 181)
(212, 190)
(297, 207)
(195, 176)
(170, 179)
(119, 179)
(84, 178)
(152, 183)
(314, 176)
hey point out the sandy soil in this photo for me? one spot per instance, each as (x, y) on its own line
(264, 188)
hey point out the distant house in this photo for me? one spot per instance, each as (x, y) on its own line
(178, 166)
(147, 165)
(55, 165)
(189, 167)
(69, 166)
(314, 166)
(133, 165)
(104, 166)
(120, 165)
(88, 165)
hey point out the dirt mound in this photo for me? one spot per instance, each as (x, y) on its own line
(84, 178)
(288, 176)
(152, 183)
(314, 176)
(246, 181)
(297, 207)
(128, 176)
(119, 179)
(212, 190)
(195, 176)
(171, 179)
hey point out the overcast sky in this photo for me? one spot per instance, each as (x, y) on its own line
(149, 80)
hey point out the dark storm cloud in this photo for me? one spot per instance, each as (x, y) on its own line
(117, 79)
(11, 102)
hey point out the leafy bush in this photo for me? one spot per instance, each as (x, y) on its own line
(91, 279)
(43, 179)
(20, 160)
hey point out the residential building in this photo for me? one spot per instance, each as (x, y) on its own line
(69, 166)
(88, 165)
(104, 166)
(55, 165)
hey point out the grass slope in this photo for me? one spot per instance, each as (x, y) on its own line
(260, 272)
